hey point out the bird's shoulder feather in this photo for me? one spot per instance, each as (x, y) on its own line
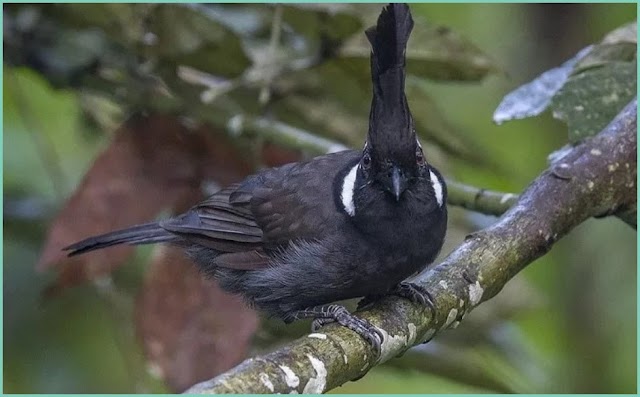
(266, 212)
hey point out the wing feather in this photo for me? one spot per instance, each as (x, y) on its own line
(265, 213)
(218, 224)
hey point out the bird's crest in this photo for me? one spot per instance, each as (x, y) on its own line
(391, 132)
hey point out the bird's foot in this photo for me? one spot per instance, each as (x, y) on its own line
(415, 294)
(411, 291)
(335, 313)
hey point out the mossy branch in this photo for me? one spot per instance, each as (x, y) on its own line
(597, 178)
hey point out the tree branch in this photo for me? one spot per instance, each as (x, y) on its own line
(597, 178)
(479, 200)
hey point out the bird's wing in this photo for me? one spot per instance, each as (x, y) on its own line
(296, 202)
(266, 212)
(218, 224)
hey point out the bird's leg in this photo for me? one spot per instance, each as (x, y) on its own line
(320, 322)
(325, 314)
(415, 294)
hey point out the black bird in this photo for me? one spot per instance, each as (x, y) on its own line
(296, 238)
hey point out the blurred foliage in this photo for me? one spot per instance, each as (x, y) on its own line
(587, 91)
(72, 73)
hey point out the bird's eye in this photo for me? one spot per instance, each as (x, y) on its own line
(419, 157)
(366, 161)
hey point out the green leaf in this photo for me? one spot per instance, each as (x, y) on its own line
(74, 50)
(121, 22)
(190, 37)
(603, 54)
(624, 34)
(590, 100)
(170, 34)
(436, 53)
(533, 98)
(39, 119)
(335, 22)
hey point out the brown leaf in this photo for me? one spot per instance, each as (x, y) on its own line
(273, 155)
(153, 163)
(191, 330)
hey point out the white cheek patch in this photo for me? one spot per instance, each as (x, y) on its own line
(348, 187)
(437, 187)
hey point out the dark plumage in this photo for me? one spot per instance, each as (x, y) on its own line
(391, 130)
(344, 225)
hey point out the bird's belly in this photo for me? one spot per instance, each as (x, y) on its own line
(398, 258)
(389, 270)
(327, 270)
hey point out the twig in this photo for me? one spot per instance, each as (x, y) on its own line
(583, 185)
(479, 200)
(283, 134)
(274, 41)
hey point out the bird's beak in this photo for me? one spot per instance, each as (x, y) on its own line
(398, 182)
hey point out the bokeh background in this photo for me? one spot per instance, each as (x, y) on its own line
(567, 323)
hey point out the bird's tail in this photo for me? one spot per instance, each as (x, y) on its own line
(147, 233)
(388, 43)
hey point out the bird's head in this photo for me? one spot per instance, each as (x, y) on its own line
(392, 161)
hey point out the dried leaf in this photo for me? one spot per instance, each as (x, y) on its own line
(153, 163)
(191, 330)
(273, 155)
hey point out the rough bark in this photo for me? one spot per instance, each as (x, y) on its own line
(596, 178)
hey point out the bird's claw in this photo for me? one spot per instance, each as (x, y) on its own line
(416, 294)
(336, 313)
